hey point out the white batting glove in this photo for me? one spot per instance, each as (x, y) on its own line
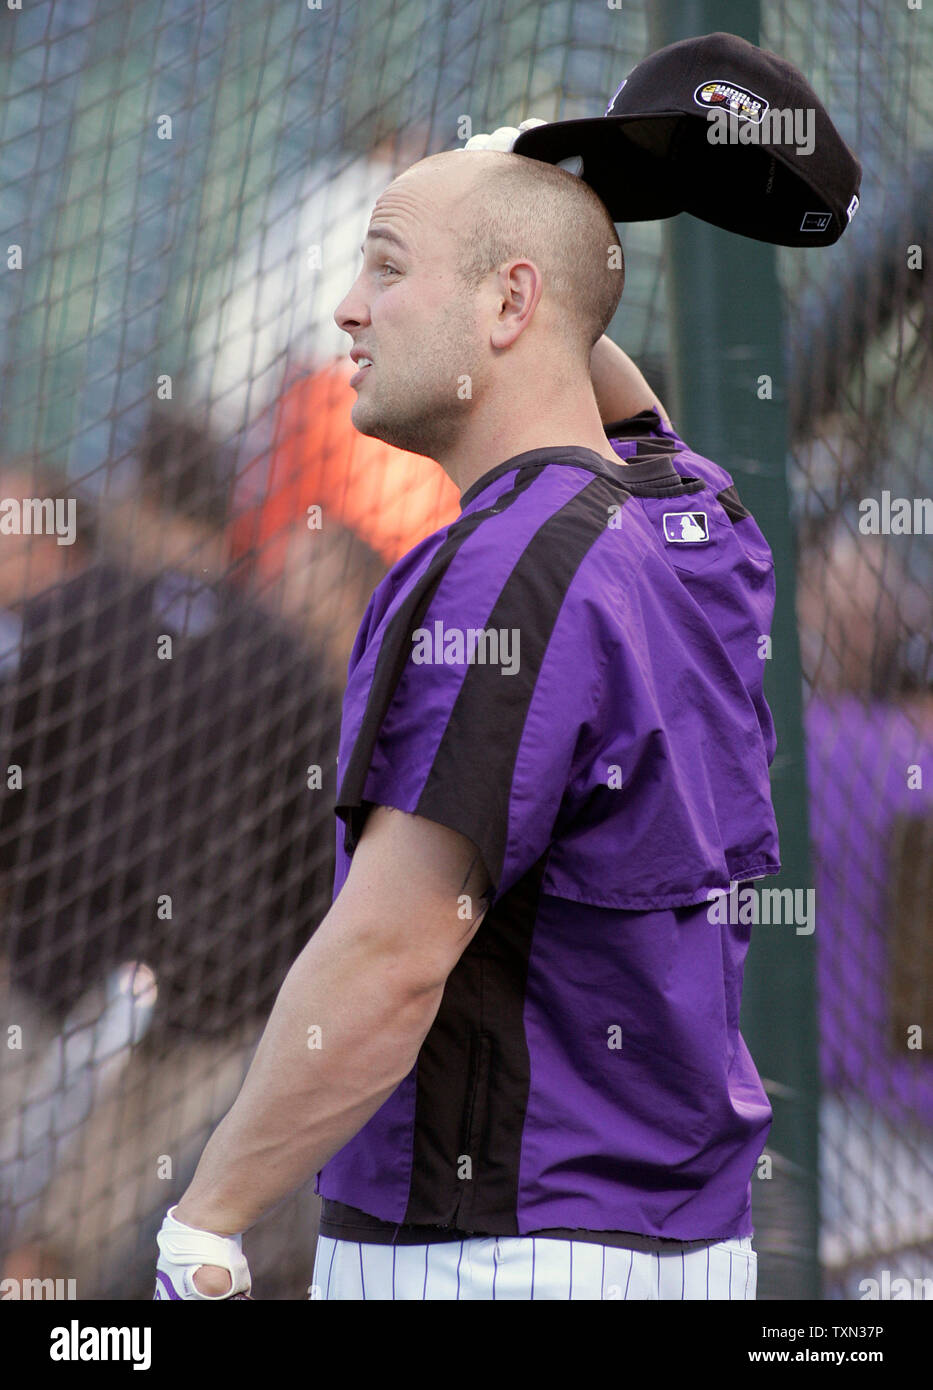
(184, 1249)
(504, 138)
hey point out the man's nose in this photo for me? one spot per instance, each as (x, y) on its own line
(352, 312)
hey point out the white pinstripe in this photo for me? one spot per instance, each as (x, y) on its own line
(528, 1268)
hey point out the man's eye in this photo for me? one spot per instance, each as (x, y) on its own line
(389, 267)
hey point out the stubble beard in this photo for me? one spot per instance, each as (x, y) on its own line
(428, 426)
(424, 409)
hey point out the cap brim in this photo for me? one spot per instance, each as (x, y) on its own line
(653, 166)
(633, 181)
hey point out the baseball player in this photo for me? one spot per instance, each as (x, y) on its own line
(511, 1052)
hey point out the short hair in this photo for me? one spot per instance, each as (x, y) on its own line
(523, 207)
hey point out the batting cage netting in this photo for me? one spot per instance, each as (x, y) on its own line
(184, 185)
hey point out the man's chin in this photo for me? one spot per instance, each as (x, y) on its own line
(372, 428)
(366, 422)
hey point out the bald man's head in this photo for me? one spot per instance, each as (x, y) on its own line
(477, 267)
(512, 207)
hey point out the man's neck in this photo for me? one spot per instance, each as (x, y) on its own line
(491, 440)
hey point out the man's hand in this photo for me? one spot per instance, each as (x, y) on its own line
(504, 138)
(196, 1264)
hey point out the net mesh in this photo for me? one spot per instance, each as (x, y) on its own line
(859, 392)
(184, 189)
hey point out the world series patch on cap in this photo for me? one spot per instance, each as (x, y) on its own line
(721, 129)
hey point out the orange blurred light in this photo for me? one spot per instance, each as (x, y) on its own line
(390, 498)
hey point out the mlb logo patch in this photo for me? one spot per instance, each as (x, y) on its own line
(685, 528)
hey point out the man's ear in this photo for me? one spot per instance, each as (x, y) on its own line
(519, 288)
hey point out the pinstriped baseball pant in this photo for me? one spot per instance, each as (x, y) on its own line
(528, 1268)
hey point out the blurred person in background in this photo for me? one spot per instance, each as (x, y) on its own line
(142, 661)
(174, 810)
(865, 630)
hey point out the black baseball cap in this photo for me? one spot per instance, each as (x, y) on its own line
(655, 152)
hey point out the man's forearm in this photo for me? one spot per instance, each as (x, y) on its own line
(301, 1102)
(619, 386)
